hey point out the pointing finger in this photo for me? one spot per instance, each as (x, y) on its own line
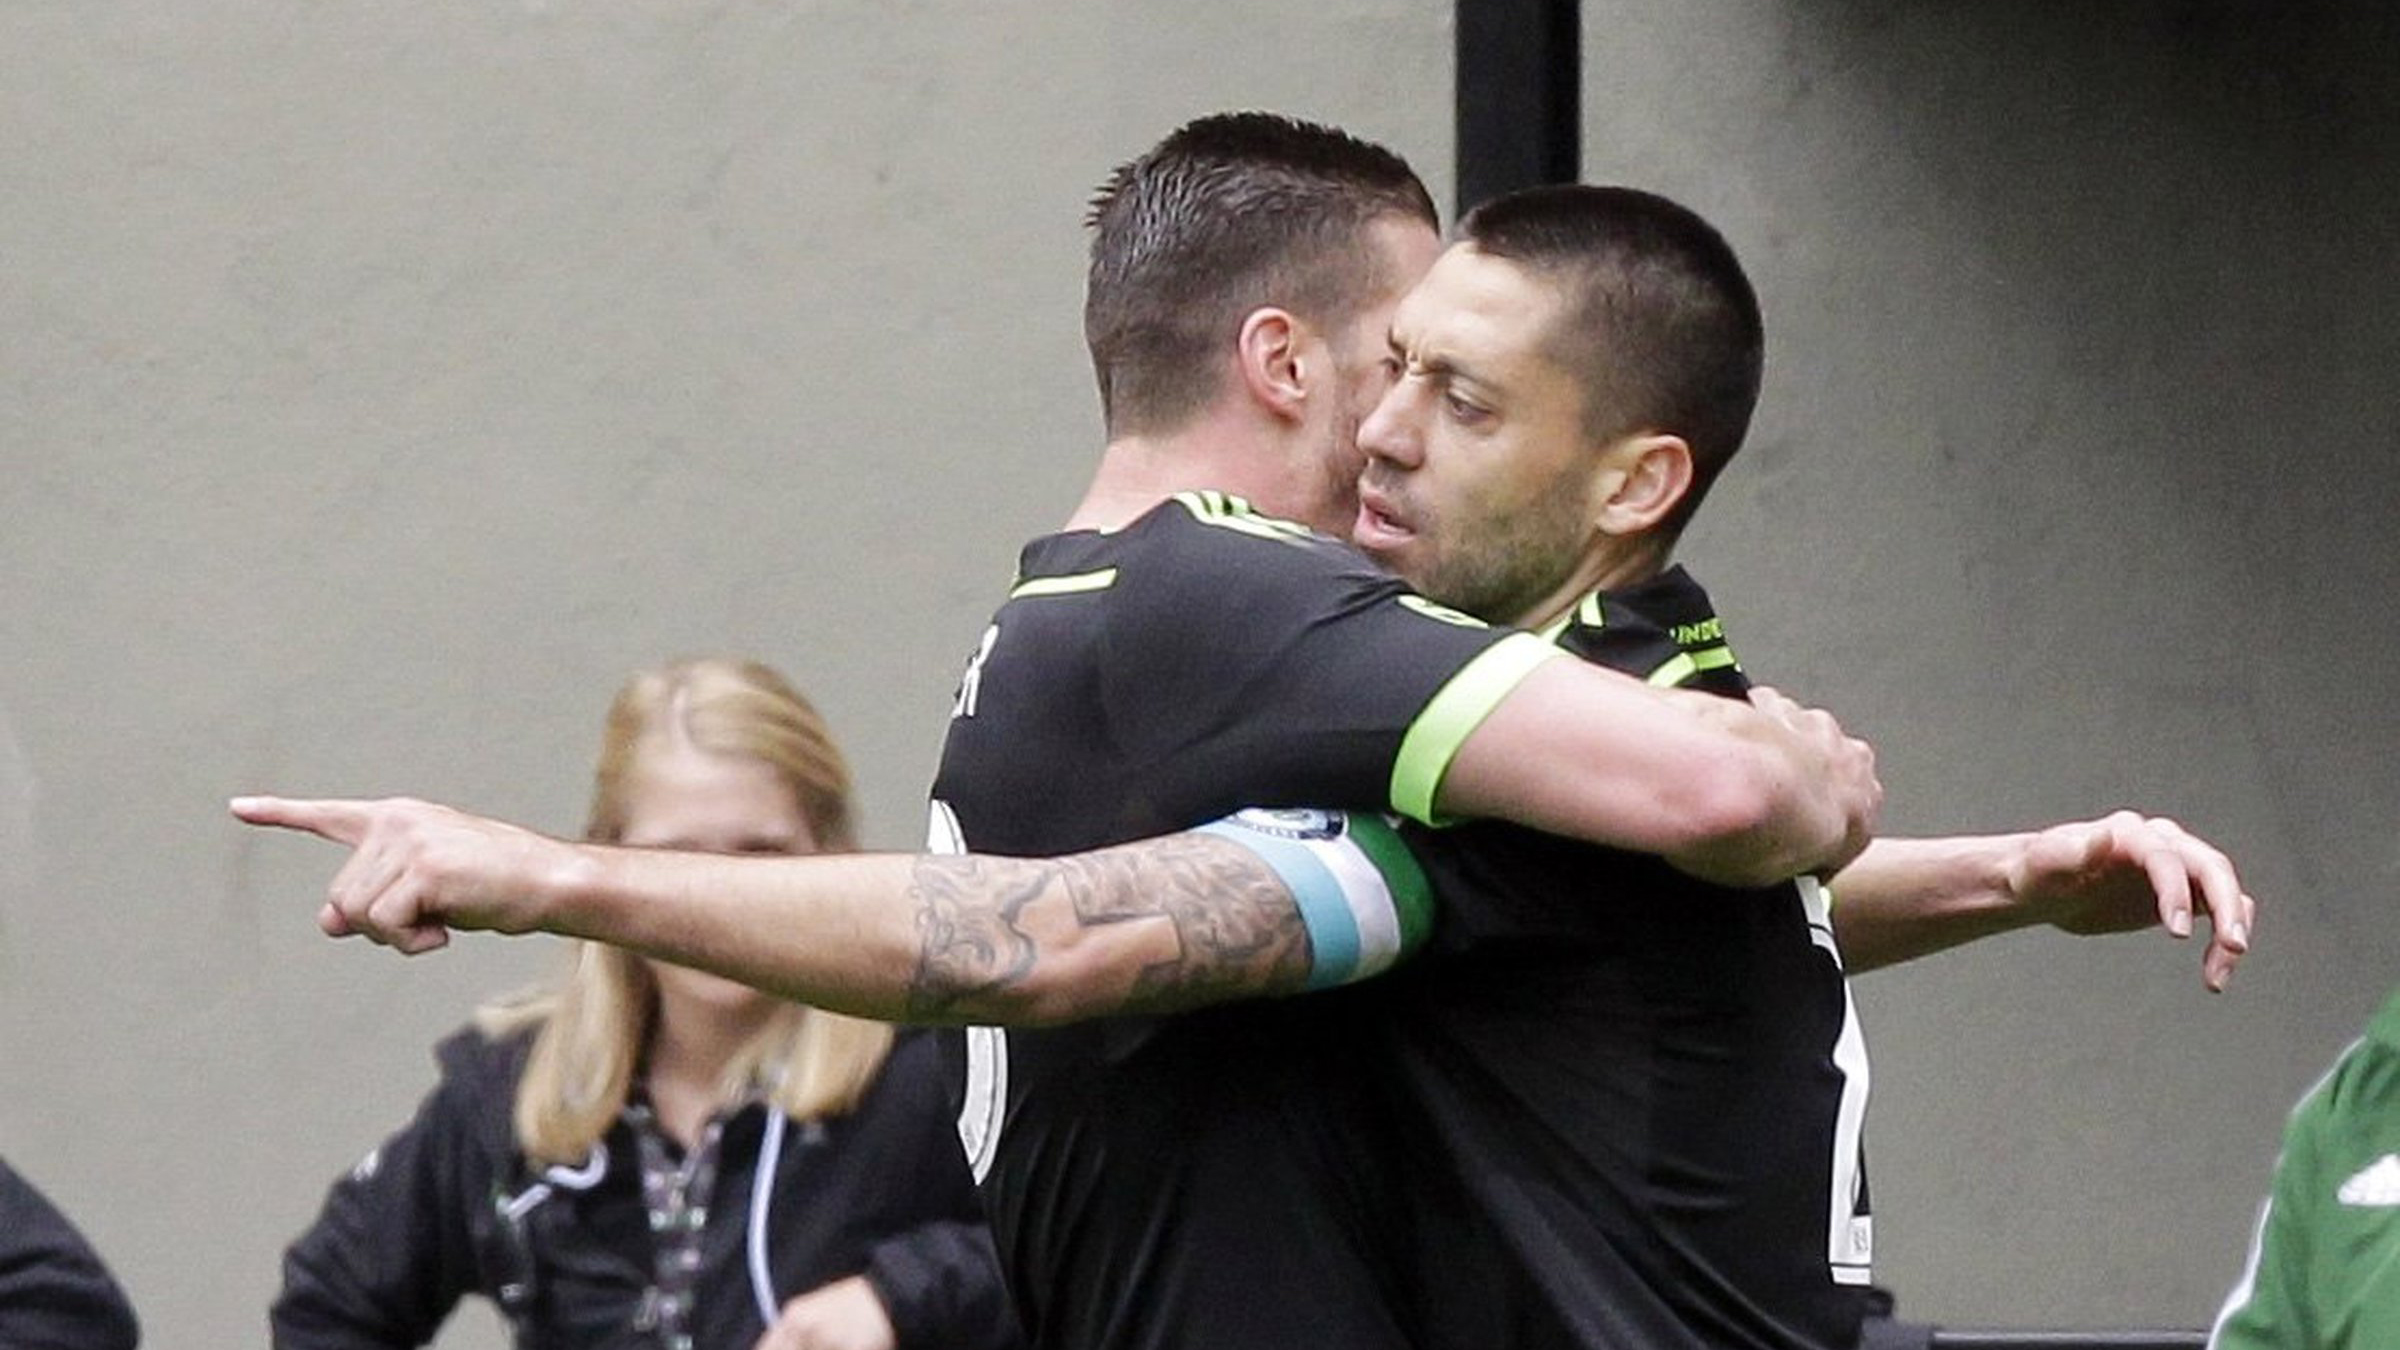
(343, 822)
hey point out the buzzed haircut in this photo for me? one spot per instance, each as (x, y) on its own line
(1229, 213)
(1660, 326)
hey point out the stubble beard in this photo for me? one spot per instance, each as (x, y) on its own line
(1502, 568)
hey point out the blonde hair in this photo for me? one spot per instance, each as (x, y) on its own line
(590, 1025)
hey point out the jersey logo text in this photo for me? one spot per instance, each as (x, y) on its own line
(1711, 629)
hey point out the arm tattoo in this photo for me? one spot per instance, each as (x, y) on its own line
(1157, 926)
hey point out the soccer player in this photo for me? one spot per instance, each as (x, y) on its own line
(2324, 1265)
(1653, 1104)
(1201, 1181)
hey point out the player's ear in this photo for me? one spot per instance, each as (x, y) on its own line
(1643, 478)
(1270, 353)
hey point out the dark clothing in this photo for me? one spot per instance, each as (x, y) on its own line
(1201, 1182)
(54, 1292)
(448, 1207)
(1201, 660)
(1650, 1086)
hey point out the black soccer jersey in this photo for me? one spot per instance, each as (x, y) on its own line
(1205, 1181)
(1650, 1087)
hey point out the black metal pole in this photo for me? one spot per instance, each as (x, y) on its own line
(1942, 1339)
(1520, 96)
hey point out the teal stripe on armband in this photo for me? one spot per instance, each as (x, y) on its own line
(1362, 898)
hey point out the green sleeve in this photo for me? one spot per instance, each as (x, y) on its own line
(2324, 1271)
(2268, 1308)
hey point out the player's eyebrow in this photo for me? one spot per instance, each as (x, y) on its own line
(1443, 368)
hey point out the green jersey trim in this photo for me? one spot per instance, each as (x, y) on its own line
(1684, 665)
(1233, 513)
(1077, 584)
(1456, 710)
(1585, 614)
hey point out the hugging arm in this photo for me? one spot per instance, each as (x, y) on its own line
(1743, 794)
(1906, 898)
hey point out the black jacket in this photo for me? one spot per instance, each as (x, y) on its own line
(54, 1293)
(448, 1207)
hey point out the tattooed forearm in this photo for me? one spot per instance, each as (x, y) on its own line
(1152, 927)
(969, 952)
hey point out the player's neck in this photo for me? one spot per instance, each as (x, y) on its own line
(1610, 565)
(1217, 453)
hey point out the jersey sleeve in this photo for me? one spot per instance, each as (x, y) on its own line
(1293, 667)
(2268, 1308)
(2324, 1267)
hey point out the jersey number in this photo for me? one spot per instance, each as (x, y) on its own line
(1850, 1229)
(985, 1101)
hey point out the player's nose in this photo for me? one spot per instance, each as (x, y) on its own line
(1387, 433)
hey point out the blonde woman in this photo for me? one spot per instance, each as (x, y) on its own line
(647, 1155)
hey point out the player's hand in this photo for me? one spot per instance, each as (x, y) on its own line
(844, 1315)
(417, 870)
(1849, 773)
(2126, 872)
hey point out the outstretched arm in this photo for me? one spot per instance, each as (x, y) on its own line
(1157, 926)
(1906, 898)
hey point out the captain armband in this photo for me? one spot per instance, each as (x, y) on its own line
(1362, 897)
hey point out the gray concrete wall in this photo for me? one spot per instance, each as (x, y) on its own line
(379, 383)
